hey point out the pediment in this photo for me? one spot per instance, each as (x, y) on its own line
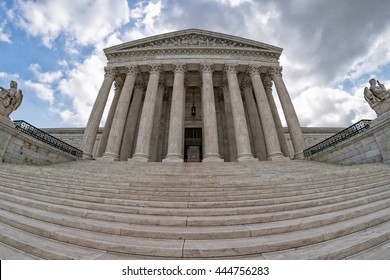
(192, 38)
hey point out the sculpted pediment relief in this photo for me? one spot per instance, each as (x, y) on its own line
(193, 38)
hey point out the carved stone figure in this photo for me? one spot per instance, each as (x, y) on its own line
(377, 96)
(10, 99)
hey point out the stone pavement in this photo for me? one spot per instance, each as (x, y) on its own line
(251, 210)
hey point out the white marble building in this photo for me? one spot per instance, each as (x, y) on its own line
(193, 95)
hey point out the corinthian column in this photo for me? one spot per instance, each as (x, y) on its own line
(239, 120)
(156, 140)
(119, 121)
(176, 123)
(267, 121)
(107, 127)
(294, 127)
(95, 117)
(142, 148)
(229, 121)
(275, 114)
(210, 132)
(131, 122)
(254, 121)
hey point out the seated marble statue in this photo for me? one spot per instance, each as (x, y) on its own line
(10, 99)
(376, 93)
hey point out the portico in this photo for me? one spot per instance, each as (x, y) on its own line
(193, 95)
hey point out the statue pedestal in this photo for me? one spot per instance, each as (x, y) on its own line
(382, 107)
(6, 121)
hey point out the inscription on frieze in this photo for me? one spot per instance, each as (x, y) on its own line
(193, 40)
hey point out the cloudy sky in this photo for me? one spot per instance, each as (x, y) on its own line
(54, 49)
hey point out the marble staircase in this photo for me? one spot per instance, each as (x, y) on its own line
(254, 210)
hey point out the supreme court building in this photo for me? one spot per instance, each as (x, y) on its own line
(193, 95)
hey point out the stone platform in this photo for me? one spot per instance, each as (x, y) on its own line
(253, 210)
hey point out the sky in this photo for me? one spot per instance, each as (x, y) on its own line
(54, 49)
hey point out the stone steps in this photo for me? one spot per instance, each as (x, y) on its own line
(230, 210)
(201, 227)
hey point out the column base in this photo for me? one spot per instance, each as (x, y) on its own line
(212, 158)
(173, 158)
(140, 157)
(277, 156)
(246, 157)
(109, 157)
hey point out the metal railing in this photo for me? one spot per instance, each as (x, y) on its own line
(47, 138)
(339, 137)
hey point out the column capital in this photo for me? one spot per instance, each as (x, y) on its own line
(231, 68)
(132, 70)
(275, 71)
(206, 67)
(110, 71)
(253, 70)
(155, 68)
(179, 67)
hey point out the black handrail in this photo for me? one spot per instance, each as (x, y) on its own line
(339, 137)
(47, 138)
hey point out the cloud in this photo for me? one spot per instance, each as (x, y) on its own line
(81, 86)
(42, 91)
(326, 43)
(331, 107)
(81, 22)
(4, 36)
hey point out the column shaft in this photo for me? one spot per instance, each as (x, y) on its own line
(119, 121)
(239, 120)
(294, 127)
(254, 121)
(229, 122)
(157, 123)
(267, 121)
(275, 114)
(92, 127)
(142, 147)
(210, 130)
(131, 123)
(107, 126)
(176, 123)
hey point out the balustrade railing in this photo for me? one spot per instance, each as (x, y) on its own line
(339, 137)
(47, 138)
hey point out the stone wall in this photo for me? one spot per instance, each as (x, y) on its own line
(372, 145)
(19, 148)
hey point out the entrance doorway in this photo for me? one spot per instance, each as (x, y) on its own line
(193, 145)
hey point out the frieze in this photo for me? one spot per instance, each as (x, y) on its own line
(189, 54)
(194, 40)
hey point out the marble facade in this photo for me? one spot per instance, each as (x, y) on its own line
(193, 95)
